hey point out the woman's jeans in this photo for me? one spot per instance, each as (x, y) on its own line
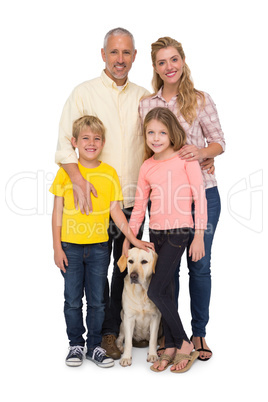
(199, 271)
(86, 272)
(169, 245)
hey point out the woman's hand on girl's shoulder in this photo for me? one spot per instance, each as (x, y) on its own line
(190, 153)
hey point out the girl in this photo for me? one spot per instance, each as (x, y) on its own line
(171, 183)
(198, 116)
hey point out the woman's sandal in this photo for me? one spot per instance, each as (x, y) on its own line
(202, 349)
(180, 357)
(166, 357)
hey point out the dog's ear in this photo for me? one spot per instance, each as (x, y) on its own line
(154, 260)
(122, 263)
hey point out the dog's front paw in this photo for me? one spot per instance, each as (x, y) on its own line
(120, 346)
(126, 361)
(152, 358)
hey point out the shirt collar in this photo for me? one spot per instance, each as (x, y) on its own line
(108, 82)
(159, 95)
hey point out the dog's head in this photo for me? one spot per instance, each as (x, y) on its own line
(140, 265)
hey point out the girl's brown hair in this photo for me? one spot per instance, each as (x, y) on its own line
(188, 96)
(176, 133)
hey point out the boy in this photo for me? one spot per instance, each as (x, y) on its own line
(80, 241)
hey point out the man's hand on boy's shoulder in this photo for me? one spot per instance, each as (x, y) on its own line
(82, 195)
(82, 188)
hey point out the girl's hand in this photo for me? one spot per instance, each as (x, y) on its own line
(144, 245)
(60, 259)
(190, 153)
(126, 247)
(197, 248)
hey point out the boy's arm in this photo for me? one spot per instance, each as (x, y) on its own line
(59, 255)
(122, 223)
(82, 188)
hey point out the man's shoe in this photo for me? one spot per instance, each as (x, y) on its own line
(99, 357)
(108, 343)
(75, 356)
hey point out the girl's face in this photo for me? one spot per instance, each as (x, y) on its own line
(169, 65)
(157, 139)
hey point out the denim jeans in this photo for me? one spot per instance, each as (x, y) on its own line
(199, 271)
(113, 294)
(86, 273)
(169, 245)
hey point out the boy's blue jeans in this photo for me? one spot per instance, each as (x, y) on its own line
(86, 273)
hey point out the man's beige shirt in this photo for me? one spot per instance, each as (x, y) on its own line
(118, 110)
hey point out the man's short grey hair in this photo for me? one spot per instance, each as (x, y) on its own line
(116, 32)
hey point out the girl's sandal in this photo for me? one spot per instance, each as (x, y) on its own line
(166, 357)
(180, 357)
(160, 351)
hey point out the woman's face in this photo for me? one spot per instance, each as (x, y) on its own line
(169, 65)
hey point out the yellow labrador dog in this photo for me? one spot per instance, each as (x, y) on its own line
(140, 317)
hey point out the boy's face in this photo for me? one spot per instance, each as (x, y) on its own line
(89, 145)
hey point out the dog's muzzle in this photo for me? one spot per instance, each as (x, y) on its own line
(134, 277)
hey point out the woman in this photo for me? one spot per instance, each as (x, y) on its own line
(198, 116)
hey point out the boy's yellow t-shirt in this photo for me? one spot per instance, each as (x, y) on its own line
(81, 228)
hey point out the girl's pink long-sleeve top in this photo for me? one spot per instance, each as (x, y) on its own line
(172, 185)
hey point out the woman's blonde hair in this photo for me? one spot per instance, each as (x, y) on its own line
(187, 94)
(93, 122)
(176, 133)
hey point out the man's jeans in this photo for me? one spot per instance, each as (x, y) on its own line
(199, 271)
(86, 272)
(113, 294)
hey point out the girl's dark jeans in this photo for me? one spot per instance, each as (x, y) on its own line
(169, 245)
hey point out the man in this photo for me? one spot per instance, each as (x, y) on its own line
(114, 100)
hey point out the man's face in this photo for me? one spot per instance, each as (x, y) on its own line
(118, 57)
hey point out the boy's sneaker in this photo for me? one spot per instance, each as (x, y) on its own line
(75, 356)
(99, 357)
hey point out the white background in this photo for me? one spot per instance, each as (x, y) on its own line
(49, 47)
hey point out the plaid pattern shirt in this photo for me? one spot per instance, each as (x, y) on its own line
(204, 130)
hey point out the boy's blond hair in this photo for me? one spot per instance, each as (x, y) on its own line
(93, 122)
